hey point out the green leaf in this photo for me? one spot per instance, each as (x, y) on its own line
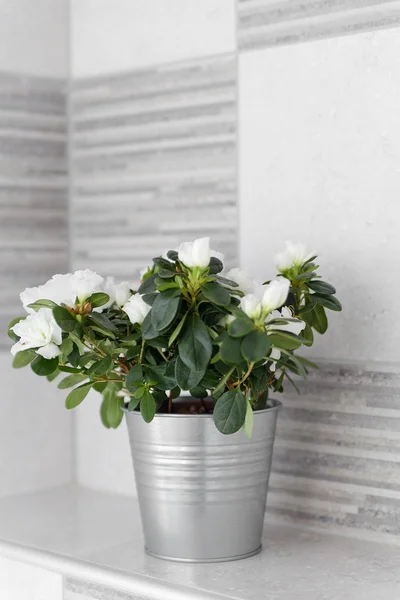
(133, 403)
(195, 346)
(226, 281)
(43, 366)
(307, 308)
(66, 349)
(216, 293)
(133, 352)
(308, 335)
(230, 412)
(321, 287)
(241, 326)
(100, 386)
(103, 412)
(163, 263)
(71, 380)
(64, 318)
(165, 274)
(164, 309)
(172, 255)
(102, 366)
(23, 358)
(319, 320)
(65, 369)
(148, 331)
(11, 324)
(210, 380)
(198, 392)
(53, 375)
(103, 322)
(330, 302)
(248, 420)
(77, 395)
(134, 377)
(255, 346)
(147, 406)
(278, 387)
(98, 299)
(114, 412)
(74, 356)
(158, 374)
(285, 340)
(221, 385)
(230, 351)
(215, 265)
(42, 304)
(177, 330)
(186, 378)
(148, 285)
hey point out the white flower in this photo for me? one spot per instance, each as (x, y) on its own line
(292, 327)
(39, 330)
(58, 289)
(274, 354)
(119, 292)
(295, 255)
(136, 309)
(85, 283)
(275, 294)
(245, 282)
(195, 254)
(251, 306)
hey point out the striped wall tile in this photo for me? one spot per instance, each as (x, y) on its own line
(153, 163)
(337, 453)
(33, 198)
(263, 23)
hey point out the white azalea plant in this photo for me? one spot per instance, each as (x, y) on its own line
(189, 326)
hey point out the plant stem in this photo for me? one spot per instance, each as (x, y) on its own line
(249, 370)
(141, 352)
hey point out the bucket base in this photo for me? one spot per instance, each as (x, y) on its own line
(205, 560)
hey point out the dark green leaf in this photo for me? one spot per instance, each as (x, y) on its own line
(133, 403)
(321, 287)
(163, 263)
(285, 340)
(64, 318)
(147, 406)
(148, 285)
(177, 330)
(330, 302)
(186, 378)
(216, 294)
(210, 379)
(100, 386)
(230, 412)
(198, 392)
(133, 352)
(71, 380)
(215, 265)
(240, 326)
(103, 321)
(195, 346)
(74, 356)
(11, 334)
(98, 299)
(308, 335)
(255, 346)
(172, 254)
(53, 375)
(23, 358)
(148, 331)
(149, 298)
(230, 351)
(164, 309)
(102, 366)
(42, 304)
(226, 281)
(159, 375)
(43, 366)
(65, 369)
(134, 377)
(306, 309)
(77, 395)
(165, 274)
(221, 385)
(319, 320)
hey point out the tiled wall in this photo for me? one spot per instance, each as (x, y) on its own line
(35, 430)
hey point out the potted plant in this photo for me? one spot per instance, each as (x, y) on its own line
(202, 461)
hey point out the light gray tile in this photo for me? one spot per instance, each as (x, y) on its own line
(33, 187)
(263, 23)
(159, 144)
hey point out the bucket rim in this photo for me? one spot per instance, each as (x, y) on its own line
(275, 406)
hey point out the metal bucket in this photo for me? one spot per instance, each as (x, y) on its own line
(202, 494)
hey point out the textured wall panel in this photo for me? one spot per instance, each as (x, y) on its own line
(33, 199)
(153, 163)
(263, 23)
(337, 453)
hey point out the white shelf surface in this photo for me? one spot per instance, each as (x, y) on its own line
(97, 537)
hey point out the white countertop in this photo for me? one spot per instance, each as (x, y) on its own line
(97, 537)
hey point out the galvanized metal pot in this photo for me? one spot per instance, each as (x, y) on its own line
(202, 494)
